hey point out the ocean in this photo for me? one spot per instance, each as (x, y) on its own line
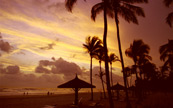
(7, 91)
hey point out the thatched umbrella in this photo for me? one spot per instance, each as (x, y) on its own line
(117, 87)
(76, 84)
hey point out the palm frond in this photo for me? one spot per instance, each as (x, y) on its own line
(135, 1)
(92, 45)
(163, 56)
(128, 15)
(137, 10)
(96, 9)
(169, 19)
(163, 48)
(128, 52)
(69, 4)
(113, 58)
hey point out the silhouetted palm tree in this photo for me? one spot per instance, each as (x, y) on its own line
(100, 75)
(129, 12)
(112, 58)
(96, 9)
(100, 56)
(129, 73)
(163, 70)
(143, 59)
(166, 54)
(149, 70)
(103, 6)
(169, 18)
(136, 51)
(92, 45)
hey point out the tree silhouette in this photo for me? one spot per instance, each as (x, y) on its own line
(169, 18)
(96, 9)
(129, 72)
(129, 12)
(143, 59)
(138, 51)
(92, 45)
(103, 6)
(166, 54)
(112, 58)
(100, 56)
(100, 75)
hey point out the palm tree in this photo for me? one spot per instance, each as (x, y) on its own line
(92, 45)
(96, 9)
(129, 12)
(163, 70)
(129, 73)
(112, 58)
(100, 56)
(143, 59)
(166, 54)
(136, 51)
(100, 75)
(169, 18)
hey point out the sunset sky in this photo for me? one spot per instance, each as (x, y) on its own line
(41, 29)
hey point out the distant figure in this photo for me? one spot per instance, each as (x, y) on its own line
(48, 93)
(24, 93)
(27, 93)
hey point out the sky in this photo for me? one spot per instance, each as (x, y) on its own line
(41, 42)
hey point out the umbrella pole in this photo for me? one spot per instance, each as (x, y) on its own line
(118, 95)
(76, 96)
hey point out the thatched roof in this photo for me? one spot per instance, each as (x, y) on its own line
(76, 83)
(118, 87)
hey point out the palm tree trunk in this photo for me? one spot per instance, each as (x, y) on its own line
(91, 79)
(101, 77)
(136, 71)
(131, 80)
(106, 57)
(112, 80)
(111, 76)
(122, 61)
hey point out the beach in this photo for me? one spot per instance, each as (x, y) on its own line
(154, 100)
(40, 101)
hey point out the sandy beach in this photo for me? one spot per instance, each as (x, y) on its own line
(155, 100)
(40, 101)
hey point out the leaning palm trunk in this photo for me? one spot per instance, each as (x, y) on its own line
(122, 61)
(91, 78)
(106, 59)
(101, 77)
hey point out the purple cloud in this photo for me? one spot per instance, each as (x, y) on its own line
(4, 46)
(59, 67)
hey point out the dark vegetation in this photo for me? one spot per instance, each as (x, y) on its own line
(148, 76)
